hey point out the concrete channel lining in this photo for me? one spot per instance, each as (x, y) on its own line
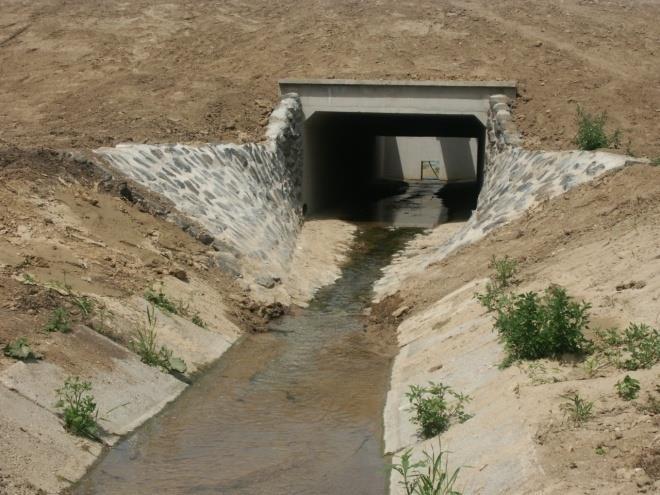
(406, 97)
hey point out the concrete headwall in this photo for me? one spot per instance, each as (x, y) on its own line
(247, 196)
(400, 157)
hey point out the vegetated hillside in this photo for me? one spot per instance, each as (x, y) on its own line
(601, 242)
(92, 73)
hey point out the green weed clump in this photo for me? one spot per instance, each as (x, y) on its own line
(535, 327)
(578, 410)
(430, 476)
(591, 133)
(495, 295)
(20, 349)
(59, 321)
(434, 408)
(144, 345)
(638, 347)
(159, 298)
(628, 388)
(79, 408)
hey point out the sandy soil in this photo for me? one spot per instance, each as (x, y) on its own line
(91, 73)
(600, 241)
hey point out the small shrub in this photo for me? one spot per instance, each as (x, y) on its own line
(505, 271)
(495, 295)
(577, 409)
(430, 476)
(144, 345)
(20, 349)
(197, 320)
(643, 345)
(85, 305)
(628, 388)
(433, 411)
(159, 299)
(591, 133)
(656, 162)
(79, 408)
(638, 346)
(59, 321)
(534, 327)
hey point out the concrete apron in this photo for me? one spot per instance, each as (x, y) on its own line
(127, 392)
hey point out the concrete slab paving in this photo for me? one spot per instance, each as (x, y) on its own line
(127, 393)
(197, 346)
(36, 449)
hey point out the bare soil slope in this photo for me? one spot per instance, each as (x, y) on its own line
(90, 73)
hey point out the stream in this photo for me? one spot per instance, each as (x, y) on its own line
(297, 410)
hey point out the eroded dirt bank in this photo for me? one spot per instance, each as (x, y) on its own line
(79, 243)
(599, 241)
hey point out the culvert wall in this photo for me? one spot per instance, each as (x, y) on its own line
(247, 196)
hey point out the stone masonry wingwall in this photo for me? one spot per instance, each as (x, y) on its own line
(515, 180)
(247, 196)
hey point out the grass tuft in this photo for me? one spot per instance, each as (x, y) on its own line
(577, 409)
(591, 133)
(430, 476)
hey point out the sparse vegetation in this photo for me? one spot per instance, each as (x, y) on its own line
(535, 327)
(78, 407)
(159, 298)
(85, 305)
(628, 388)
(495, 295)
(592, 365)
(144, 344)
(638, 347)
(591, 133)
(652, 405)
(20, 349)
(655, 162)
(434, 410)
(577, 409)
(430, 476)
(59, 321)
(197, 320)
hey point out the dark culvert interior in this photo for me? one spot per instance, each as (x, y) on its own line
(353, 160)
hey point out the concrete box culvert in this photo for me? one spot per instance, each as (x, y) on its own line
(357, 133)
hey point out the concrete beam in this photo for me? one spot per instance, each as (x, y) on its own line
(405, 97)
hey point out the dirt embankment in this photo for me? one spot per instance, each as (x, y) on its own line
(601, 242)
(85, 74)
(67, 227)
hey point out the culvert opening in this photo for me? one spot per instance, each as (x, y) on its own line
(369, 140)
(354, 161)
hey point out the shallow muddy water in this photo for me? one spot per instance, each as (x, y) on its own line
(294, 411)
